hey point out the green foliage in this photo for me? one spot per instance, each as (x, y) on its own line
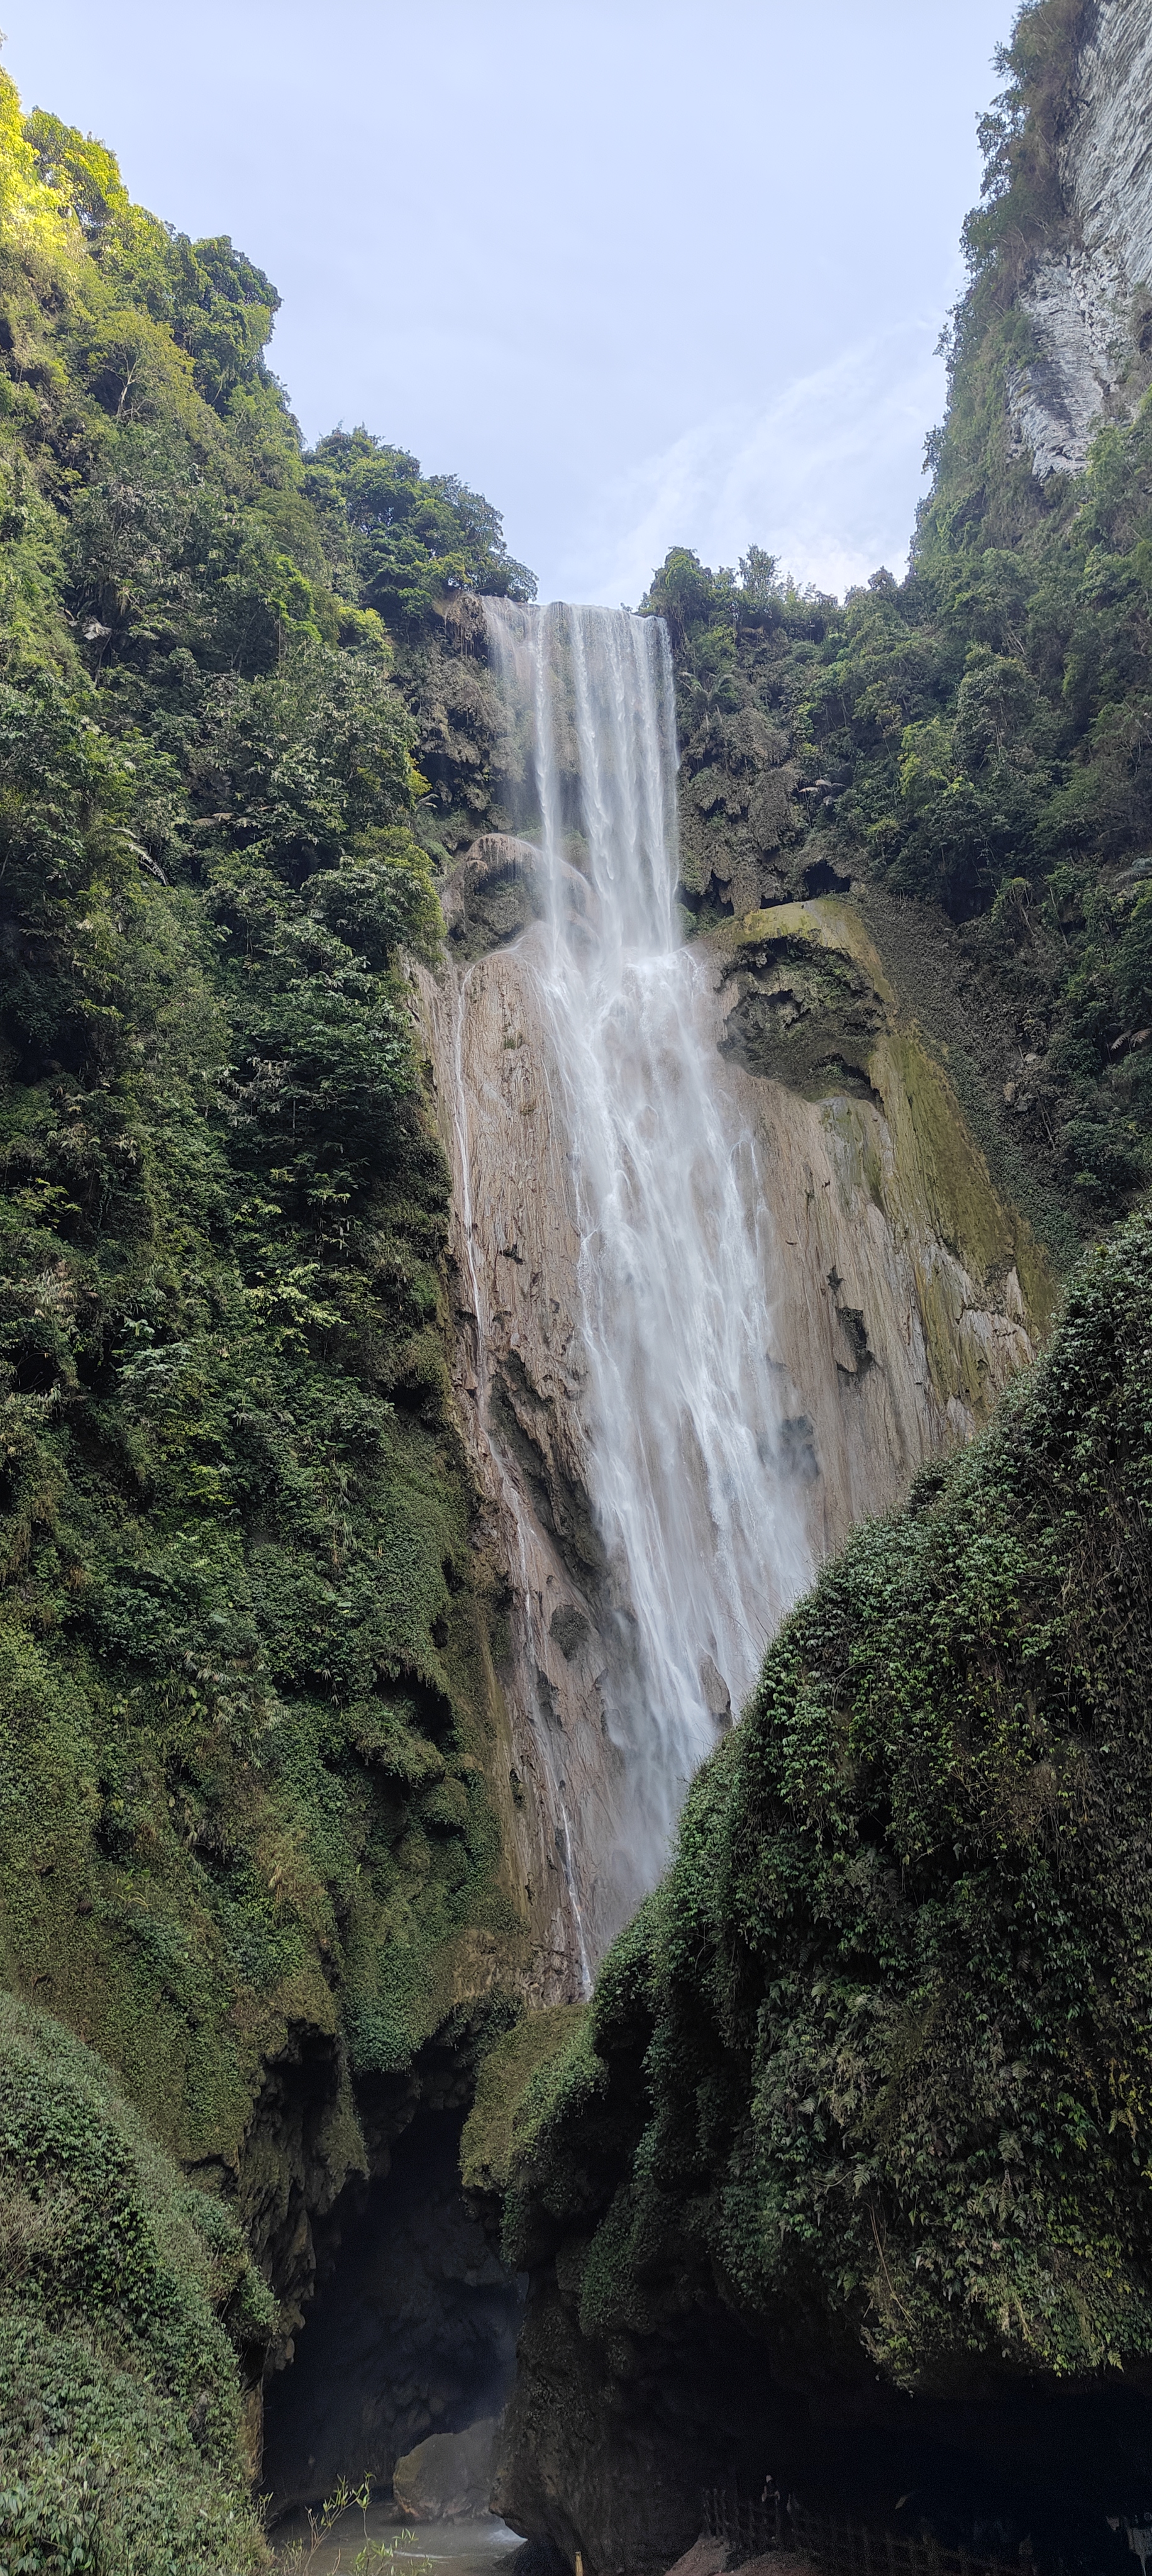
(508, 2093)
(205, 296)
(130, 2312)
(243, 1667)
(974, 738)
(874, 2062)
(245, 1685)
(416, 537)
(1021, 204)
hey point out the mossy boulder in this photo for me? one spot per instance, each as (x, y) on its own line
(132, 2321)
(513, 2090)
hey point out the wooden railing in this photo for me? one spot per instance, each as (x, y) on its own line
(753, 2525)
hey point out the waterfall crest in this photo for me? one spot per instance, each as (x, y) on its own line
(683, 1405)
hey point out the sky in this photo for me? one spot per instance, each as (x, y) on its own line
(644, 272)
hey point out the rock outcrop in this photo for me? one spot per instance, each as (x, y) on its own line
(905, 1292)
(1089, 298)
(449, 2476)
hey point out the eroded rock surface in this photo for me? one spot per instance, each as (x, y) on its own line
(519, 1381)
(900, 1296)
(905, 1293)
(1088, 302)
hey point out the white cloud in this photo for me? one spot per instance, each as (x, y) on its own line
(819, 474)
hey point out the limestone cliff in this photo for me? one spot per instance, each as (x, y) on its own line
(1088, 299)
(901, 1292)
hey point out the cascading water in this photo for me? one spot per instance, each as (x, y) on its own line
(682, 1404)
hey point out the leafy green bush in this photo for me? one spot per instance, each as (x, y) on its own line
(415, 537)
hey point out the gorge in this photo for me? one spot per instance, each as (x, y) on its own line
(574, 1649)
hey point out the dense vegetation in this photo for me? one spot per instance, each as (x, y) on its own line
(129, 2300)
(974, 737)
(872, 2065)
(243, 1659)
(855, 2062)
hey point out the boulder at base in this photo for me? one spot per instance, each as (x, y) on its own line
(449, 2475)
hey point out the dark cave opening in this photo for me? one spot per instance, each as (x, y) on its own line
(626, 2454)
(412, 2329)
(1053, 2478)
(821, 876)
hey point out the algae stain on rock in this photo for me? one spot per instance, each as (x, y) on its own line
(813, 1014)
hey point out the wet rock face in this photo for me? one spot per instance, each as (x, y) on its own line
(519, 1378)
(492, 894)
(609, 2454)
(900, 1295)
(904, 1293)
(412, 2330)
(807, 1019)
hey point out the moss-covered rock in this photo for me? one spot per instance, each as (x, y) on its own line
(811, 1002)
(131, 2322)
(513, 2090)
(871, 2071)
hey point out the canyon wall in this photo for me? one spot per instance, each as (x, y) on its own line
(900, 1291)
(1088, 300)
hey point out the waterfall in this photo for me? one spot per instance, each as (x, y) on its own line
(703, 1542)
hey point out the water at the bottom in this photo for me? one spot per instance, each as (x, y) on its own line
(684, 1405)
(374, 2543)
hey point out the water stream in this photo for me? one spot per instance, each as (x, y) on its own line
(683, 1406)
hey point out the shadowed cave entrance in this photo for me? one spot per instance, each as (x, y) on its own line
(621, 2449)
(412, 2329)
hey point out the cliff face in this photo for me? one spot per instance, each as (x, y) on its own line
(310, 1787)
(900, 1295)
(802, 2198)
(518, 1378)
(1089, 298)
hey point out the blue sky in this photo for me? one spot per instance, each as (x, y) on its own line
(645, 272)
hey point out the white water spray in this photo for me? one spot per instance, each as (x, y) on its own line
(704, 1541)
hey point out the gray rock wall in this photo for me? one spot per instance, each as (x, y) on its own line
(1084, 300)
